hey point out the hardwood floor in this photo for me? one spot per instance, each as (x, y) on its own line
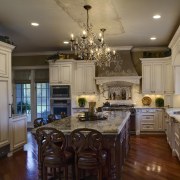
(149, 158)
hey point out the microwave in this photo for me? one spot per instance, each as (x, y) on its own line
(60, 91)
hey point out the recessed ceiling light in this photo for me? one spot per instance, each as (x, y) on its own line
(157, 16)
(34, 24)
(153, 38)
(66, 42)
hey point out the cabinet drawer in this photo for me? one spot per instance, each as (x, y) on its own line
(148, 110)
(148, 121)
(147, 118)
(147, 127)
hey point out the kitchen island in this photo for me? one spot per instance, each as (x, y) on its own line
(115, 130)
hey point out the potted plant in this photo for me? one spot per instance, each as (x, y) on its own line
(82, 101)
(159, 102)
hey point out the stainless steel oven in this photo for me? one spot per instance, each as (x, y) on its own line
(60, 91)
(61, 107)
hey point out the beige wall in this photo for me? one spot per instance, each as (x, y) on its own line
(37, 60)
(136, 61)
(176, 101)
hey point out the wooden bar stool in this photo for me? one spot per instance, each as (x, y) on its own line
(53, 153)
(38, 122)
(89, 154)
(51, 118)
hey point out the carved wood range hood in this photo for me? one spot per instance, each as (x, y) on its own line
(121, 72)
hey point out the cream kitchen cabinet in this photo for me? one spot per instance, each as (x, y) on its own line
(149, 120)
(157, 76)
(168, 78)
(5, 96)
(85, 78)
(61, 72)
(177, 139)
(173, 133)
(18, 132)
(177, 79)
(4, 112)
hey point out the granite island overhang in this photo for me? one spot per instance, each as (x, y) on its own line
(115, 130)
(112, 125)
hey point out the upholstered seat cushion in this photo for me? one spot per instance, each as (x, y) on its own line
(89, 159)
(68, 157)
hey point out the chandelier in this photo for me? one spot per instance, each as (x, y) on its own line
(89, 47)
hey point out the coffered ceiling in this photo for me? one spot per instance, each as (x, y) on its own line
(128, 22)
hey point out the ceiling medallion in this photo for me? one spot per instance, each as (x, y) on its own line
(89, 47)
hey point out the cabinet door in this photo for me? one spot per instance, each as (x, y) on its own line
(54, 74)
(19, 132)
(4, 59)
(4, 113)
(177, 79)
(168, 78)
(65, 73)
(158, 83)
(159, 119)
(80, 79)
(146, 78)
(90, 78)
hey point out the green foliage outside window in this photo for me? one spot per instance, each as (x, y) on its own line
(22, 107)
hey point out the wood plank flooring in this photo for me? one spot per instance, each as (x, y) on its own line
(149, 158)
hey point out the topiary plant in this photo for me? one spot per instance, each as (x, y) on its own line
(82, 101)
(159, 102)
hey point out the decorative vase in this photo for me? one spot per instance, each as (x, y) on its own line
(92, 106)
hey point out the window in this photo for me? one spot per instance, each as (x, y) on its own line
(31, 93)
(23, 99)
(42, 99)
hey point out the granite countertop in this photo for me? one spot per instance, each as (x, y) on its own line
(148, 107)
(80, 108)
(18, 115)
(171, 111)
(112, 125)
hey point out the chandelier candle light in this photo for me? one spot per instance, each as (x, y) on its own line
(87, 47)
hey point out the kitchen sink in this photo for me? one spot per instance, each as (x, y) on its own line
(176, 112)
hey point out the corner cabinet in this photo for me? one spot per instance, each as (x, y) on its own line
(61, 71)
(5, 96)
(85, 78)
(157, 76)
(149, 120)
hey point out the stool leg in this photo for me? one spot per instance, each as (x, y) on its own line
(66, 172)
(44, 172)
(77, 173)
(100, 173)
(73, 171)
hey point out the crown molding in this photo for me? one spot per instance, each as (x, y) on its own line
(6, 45)
(121, 47)
(140, 49)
